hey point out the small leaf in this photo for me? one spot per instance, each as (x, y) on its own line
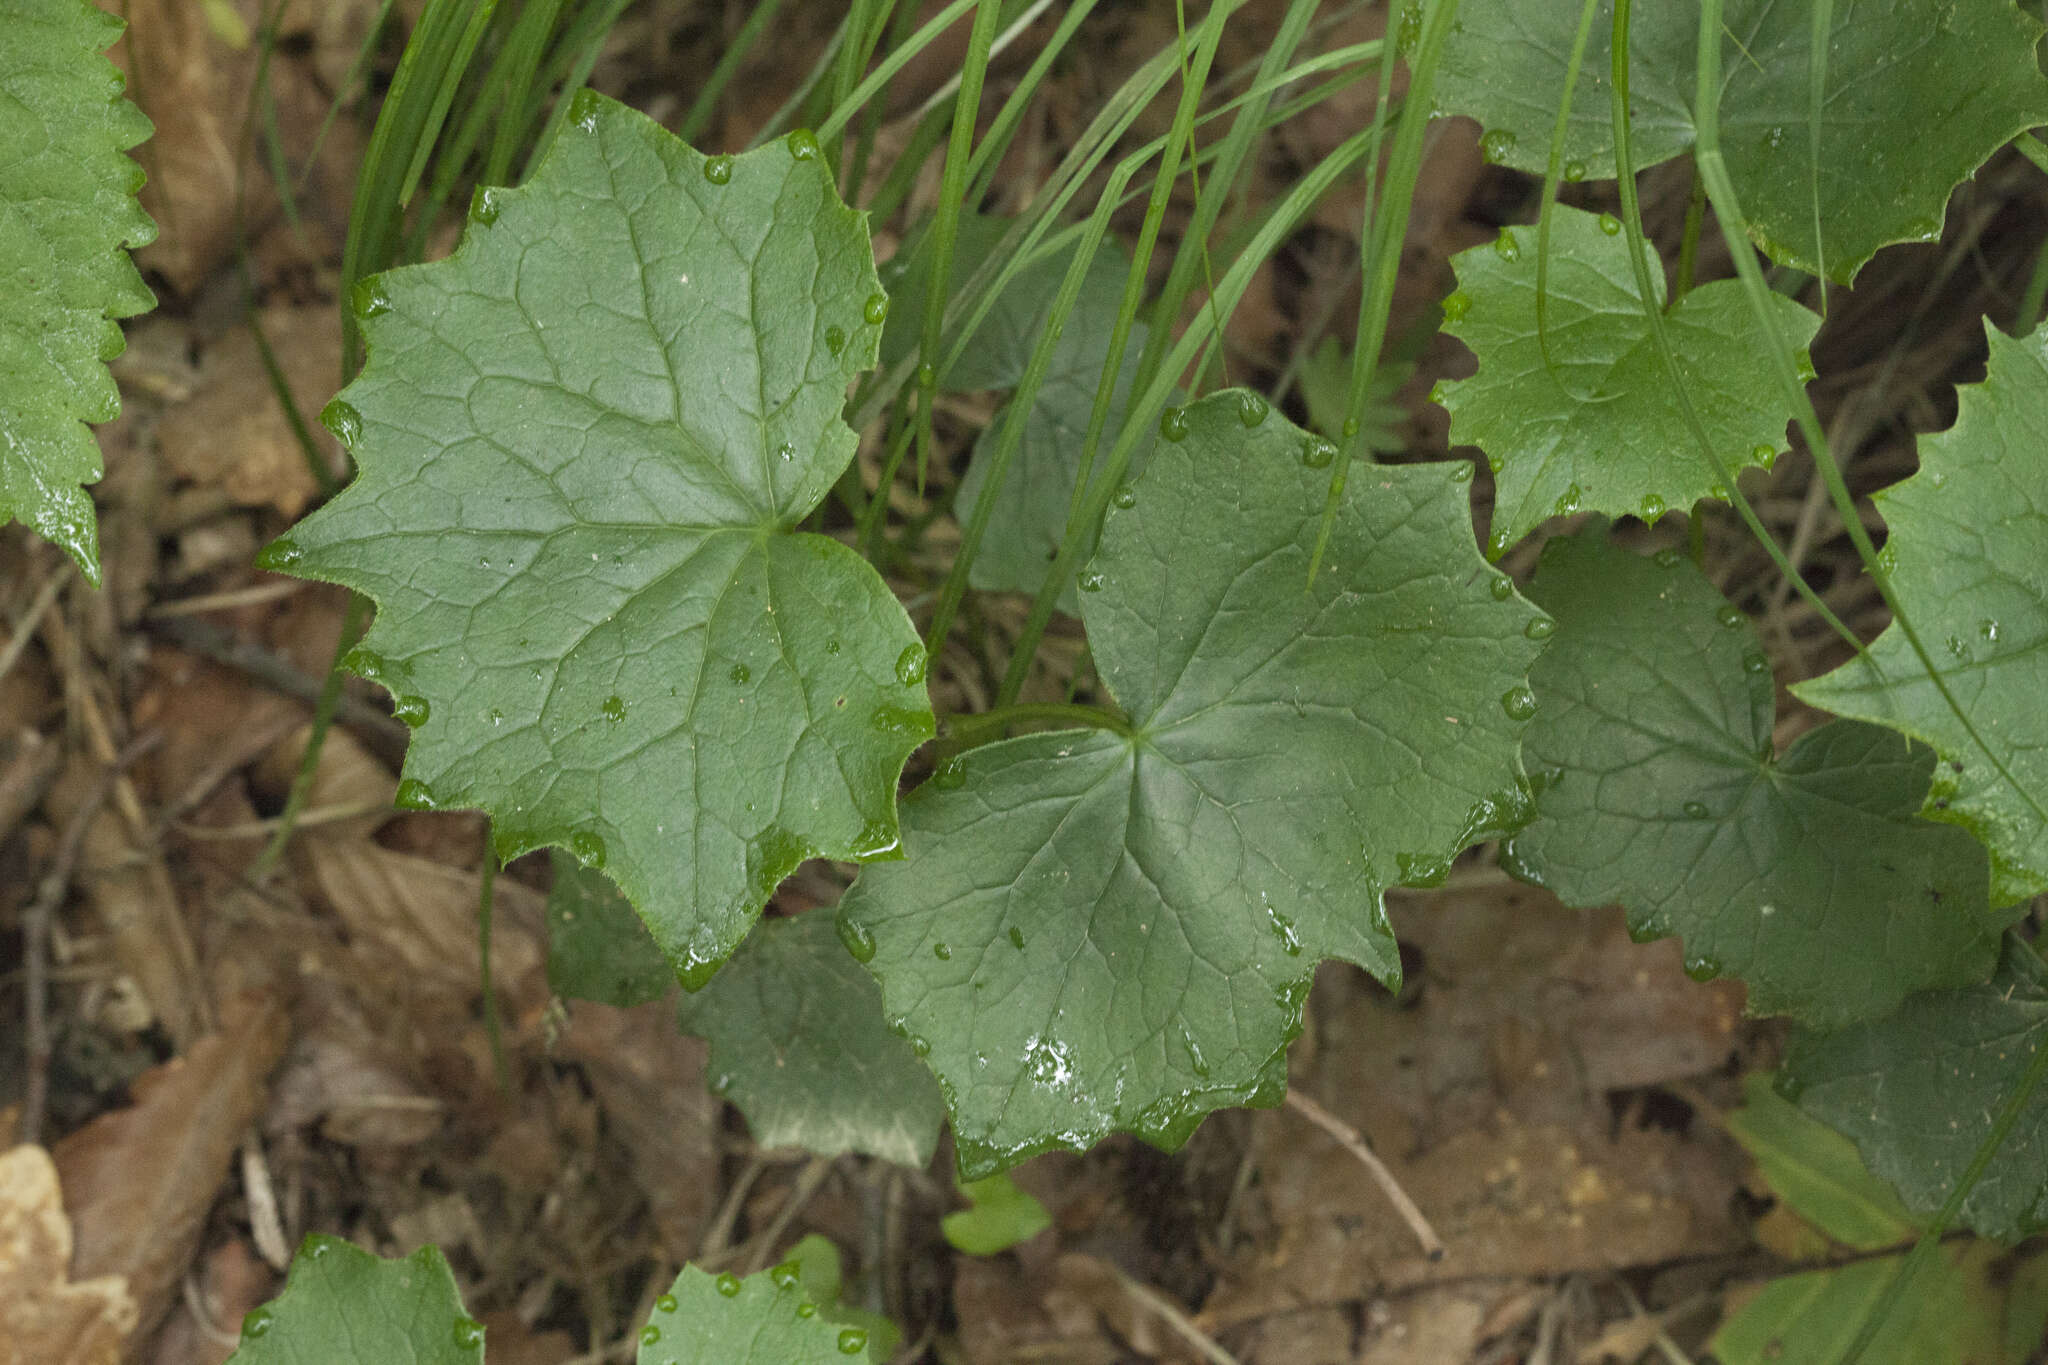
(1919, 1089)
(764, 1319)
(1100, 931)
(1806, 874)
(798, 1043)
(343, 1306)
(597, 947)
(585, 440)
(1001, 347)
(817, 1261)
(1816, 1171)
(1038, 488)
(67, 210)
(1899, 127)
(1595, 429)
(1971, 1306)
(1969, 534)
(1000, 1216)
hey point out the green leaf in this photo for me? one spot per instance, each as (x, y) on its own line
(584, 441)
(1971, 1306)
(343, 1306)
(1969, 534)
(1001, 1216)
(1101, 931)
(1918, 1092)
(818, 1273)
(798, 1043)
(67, 208)
(764, 1319)
(1918, 97)
(1806, 874)
(1001, 348)
(1595, 429)
(597, 947)
(1038, 487)
(1816, 1171)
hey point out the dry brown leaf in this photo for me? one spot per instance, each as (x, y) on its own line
(362, 1090)
(233, 433)
(46, 1318)
(650, 1080)
(511, 1342)
(1005, 1317)
(142, 1179)
(231, 1282)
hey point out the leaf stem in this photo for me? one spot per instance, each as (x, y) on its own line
(967, 731)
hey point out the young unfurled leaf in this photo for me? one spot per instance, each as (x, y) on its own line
(343, 1306)
(597, 947)
(818, 1273)
(1901, 125)
(1101, 931)
(1973, 1305)
(798, 1043)
(1919, 1090)
(584, 441)
(1816, 1171)
(1969, 536)
(1594, 428)
(1001, 1216)
(67, 210)
(1805, 874)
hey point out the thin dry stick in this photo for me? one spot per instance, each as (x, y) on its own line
(25, 629)
(1170, 1313)
(807, 1184)
(35, 933)
(1352, 1142)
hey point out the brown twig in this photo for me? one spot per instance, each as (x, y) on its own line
(35, 931)
(1352, 1142)
(26, 778)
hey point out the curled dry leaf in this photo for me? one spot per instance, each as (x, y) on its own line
(142, 1179)
(45, 1317)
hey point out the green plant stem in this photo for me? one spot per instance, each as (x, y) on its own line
(1639, 259)
(354, 621)
(1386, 234)
(1553, 176)
(1734, 229)
(899, 57)
(487, 881)
(854, 174)
(1689, 240)
(966, 732)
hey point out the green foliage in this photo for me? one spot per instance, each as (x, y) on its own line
(584, 442)
(1805, 874)
(1900, 126)
(1114, 929)
(764, 1319)
(1816, 1171)
(1969, 534)
(818, 1273)
(343, 1306)
(67, 210)
(1578, 417)
(797, 1043)
(1000, 1216)
(1972, 1306)
(1920, 1089)
(597, 947)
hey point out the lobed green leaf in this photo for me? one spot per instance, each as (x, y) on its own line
(343, 1306)
(1107, 930)
(585, 440)
(1806, 874)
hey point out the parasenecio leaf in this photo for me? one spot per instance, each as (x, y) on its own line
(1918, 1092)
(1918, 96)
(1969, 534)
(67, 211)
(1099, 930)
(1592, 426)
(764, 1319)
(1806, 874)
(585, 441)
(343, 1306)
(797, 1042)
(597, 947)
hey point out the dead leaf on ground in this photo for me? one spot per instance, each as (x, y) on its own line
(649, 1078)
(231, 1281)
(141, 1180)
(232, 433)
(46, 1318)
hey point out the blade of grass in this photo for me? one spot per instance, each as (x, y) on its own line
(729, 62)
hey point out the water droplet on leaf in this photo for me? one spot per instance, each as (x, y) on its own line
(414, 794)
(1568, 501)
(1016, 937)
(280, 554)
(741, 674)
(1496, 145)
(1502, 588)
(1574, 171)
(910, 665)
(1252, 409)
(852, 1341)
(1125, 497)
(344, 421)
(942, 952)
(718, 170)
(588, 847)
(650, 1335)
(1755, 664)
(1457, 303)
(858, 938)
(1506, 247)
(369, 300)
(583, 109)
(665, 1304)
(951, 775)
(728, 1284)
(1090, 580)
(1696, 810)
(411, 710)
(1317, 453)
(1668, 558)
(835, 339)
(1542, 628)
(1173, 424)
(614, 708)
(1653, 507)
(802, 144)
(1519, 703)
(1497, 542)
(1609, 224)
(256, 1323)
(483, 207)
(1702, 968)
(786, 1275)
